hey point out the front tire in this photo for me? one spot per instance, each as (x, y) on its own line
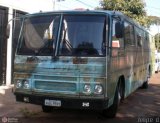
(112, 110)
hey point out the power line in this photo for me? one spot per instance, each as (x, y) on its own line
(58, 2)
(63, 6)
(85, 3)
(155, 12)
(96, 3)
(153, 7)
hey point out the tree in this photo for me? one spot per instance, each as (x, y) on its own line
(155, 20)
(157, 41)
(135, 9)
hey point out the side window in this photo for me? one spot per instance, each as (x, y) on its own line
(116, 42)
(139, 36)
(140, 42)
(129, 34)
(146, 43)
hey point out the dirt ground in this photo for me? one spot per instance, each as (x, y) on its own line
(143, 106)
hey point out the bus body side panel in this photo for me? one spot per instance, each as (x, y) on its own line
(130, 62)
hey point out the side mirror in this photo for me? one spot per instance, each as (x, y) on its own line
(8, 31)
(119, 30)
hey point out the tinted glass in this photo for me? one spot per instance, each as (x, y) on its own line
(83, 36)
(39, 35)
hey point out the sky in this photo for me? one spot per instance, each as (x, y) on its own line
(73, 4)
(152, 8)
(32, 6)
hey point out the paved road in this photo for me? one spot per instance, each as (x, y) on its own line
(143, 106)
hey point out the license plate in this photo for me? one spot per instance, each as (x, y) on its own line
(56, 103)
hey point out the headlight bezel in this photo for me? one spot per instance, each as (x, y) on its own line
(90, 89)
(22, 84)
(18, 84)
(87, 89)
(98, 89)
(26, 84)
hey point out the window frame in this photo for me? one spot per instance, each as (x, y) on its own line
(105, 40)
(133, 42)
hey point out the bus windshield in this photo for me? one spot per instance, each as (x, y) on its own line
(83, 35)
(38, 35)
(79, 35)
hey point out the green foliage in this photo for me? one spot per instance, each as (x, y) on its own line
(156, 21)
(135, 9)
(157, 41)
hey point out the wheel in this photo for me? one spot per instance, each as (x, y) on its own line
(112, 110)
(145, 84)
(47, 109)
(121, 90)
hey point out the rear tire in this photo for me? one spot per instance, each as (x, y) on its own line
(145, 85)
(47, 109)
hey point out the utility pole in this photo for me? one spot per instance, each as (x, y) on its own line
(54, 3)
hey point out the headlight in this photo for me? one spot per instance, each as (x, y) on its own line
(26, 84)
(18, 84)
(87, 89)
(98, 89)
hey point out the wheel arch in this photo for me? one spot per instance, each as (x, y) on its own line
(122, 80)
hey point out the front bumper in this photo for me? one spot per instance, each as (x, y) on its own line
(72, 103)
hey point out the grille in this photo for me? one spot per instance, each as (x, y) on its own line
(55, 86)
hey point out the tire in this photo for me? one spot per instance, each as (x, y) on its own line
(47, 109)
(145, 84)
(112, 110)
(121, 90)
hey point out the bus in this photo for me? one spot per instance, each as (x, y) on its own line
(80, 60)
